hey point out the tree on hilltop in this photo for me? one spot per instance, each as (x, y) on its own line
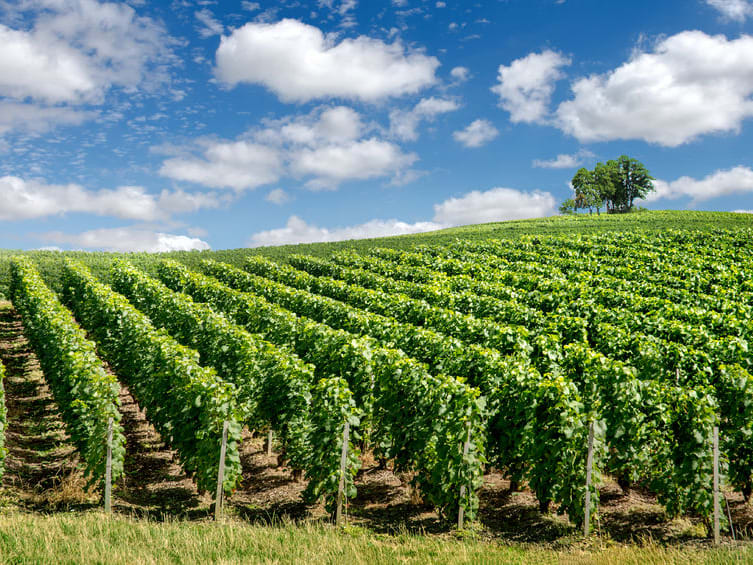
(614, 185)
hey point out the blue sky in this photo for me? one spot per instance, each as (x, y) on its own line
(188, 125)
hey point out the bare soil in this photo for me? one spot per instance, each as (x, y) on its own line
(42, 475)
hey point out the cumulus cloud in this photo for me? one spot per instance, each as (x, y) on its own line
(563, 160)
(689, 85)
(29, 69)
(73, 53)
(525, 87)
(736, 10)
(76, 50)
(404, 123)
(277, 196)
(476, 134)
(299, 63)
(460, 75)
(29, 199)
(497, 204)
(325, 125)
(332, 164)
(738, 180)
(36, 118)
(298, 231)
(125, 240)
(227, 164)
(329, 146)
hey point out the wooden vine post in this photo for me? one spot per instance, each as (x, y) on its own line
(716, 484)
(466, 448)
(221, 474)
(589, 467)
(108, 469)
(270, 438)
(343, 464)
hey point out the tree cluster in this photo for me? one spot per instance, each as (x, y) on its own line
(613, 185)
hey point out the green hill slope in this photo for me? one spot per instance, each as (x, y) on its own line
(649, 221)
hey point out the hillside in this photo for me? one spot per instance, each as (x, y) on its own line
(483, 371)
(648, 221)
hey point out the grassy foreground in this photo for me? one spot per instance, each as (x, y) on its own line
(95, 538)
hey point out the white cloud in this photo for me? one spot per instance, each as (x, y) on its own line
(71, 53)
(691, 84)
(404, 123)
(31, 69)
(344, 9)
(126, 239)
(736, 10)
(563, 160)
(359, 160)
(299, 63)
(476, 134)
(495, 205)
(525, 87)
(298, 231)
(326, 147)
(277, 196)
(28, 199)
(460, 75)
(743, 211)
(76, 50)
(250, 6)
(325, 125)
(227, 164)
(209, 24)
(738, 180)
(35, 118)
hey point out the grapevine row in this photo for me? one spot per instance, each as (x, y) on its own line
(86, 395)
(741, 461)
(416, 418)
(274, 385)
(188, 404)
(3, 421)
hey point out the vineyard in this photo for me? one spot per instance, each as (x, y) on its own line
(559, 362)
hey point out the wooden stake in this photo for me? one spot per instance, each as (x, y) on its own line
(270, 437)
(221, 474)
(466, 448)
(589, 466)
(108, 469)
(343, 463)
(716, 485)
(729, 517)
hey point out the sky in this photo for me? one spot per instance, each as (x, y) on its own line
(159, 126)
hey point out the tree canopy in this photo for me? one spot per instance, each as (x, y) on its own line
(614, 185)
